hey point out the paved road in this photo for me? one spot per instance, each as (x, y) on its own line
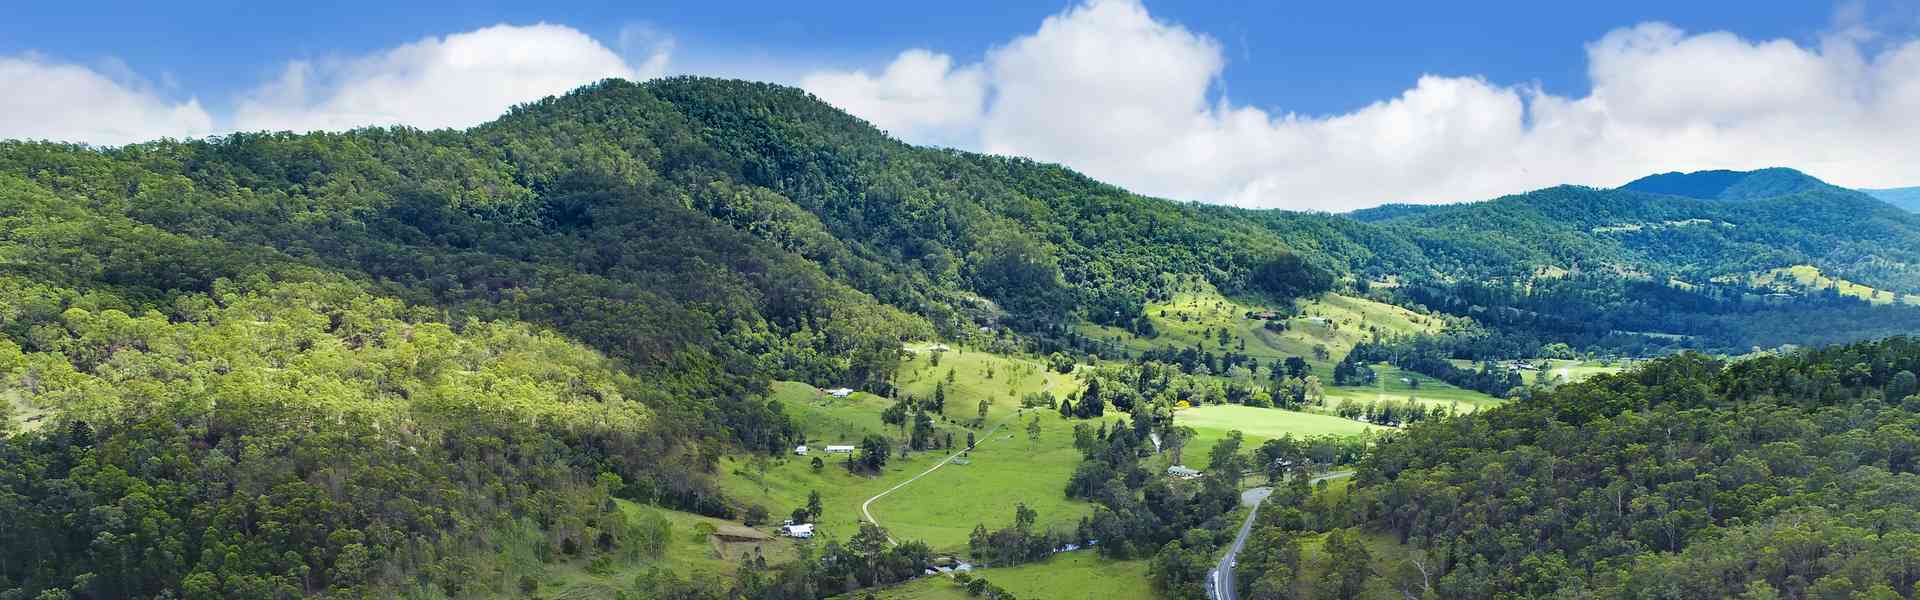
(943, 462)
(1220, 581)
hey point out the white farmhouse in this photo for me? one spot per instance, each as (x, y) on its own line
(803, 531)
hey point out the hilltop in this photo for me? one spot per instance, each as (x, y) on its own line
(1731, 185)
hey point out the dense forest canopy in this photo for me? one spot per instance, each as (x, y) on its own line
(1784, 476)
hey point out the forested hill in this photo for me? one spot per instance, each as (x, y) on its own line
(1840, 231)
(1731, 185)
(1791, 476)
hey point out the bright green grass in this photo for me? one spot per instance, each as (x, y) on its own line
(789, 479)
(26, 416)
(1332, 321)
(1212, 423)
(1002, 473)
(1569, 371)
(1000, 379)
(829, 420)
(1395, 384)
(1559, 371)
(1070, 576)
(943, 507)
(1808, 278)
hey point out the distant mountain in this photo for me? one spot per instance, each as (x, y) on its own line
(1722, 226)
(1907, 198)
(1729, 185)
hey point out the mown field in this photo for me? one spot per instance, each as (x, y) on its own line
(943, 507)
(1212, 423)
(1071, 576)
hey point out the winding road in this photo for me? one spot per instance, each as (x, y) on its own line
(1220, 581)
(864, 506)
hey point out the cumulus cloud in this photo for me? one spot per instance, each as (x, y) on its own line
(919, 96)
(50, 100)
(454, 81)
(1108, 89)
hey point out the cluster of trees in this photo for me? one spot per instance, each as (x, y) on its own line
(1433, 355)
(866, 560)
(914, 417)
(1781, 476)
(1017, 542)
(1389, 412)
(979, 587)
(1270, 565)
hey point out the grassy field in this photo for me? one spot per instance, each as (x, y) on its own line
(1569, 371)
(1070, 576)
(998, 475)
(1397, 385)
(1333, 323)
(1212, 423)
(943, 507)
(1808, 278)
(1000, 379)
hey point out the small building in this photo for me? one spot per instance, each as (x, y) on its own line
(840, 392)
(800, 450)
(840, 449)
(802, 531)
(1182, 472)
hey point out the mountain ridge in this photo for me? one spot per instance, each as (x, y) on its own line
(1730, 185)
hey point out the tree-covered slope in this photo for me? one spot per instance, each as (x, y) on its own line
(1575, 227)
(1784, 476)
(1730, 185)
(301, 438)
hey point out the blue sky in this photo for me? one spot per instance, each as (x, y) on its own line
(1310, 57)
(1321, 106)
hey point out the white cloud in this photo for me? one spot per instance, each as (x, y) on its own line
(454, 81)
(1106, 88)
(73, 103)
(919, 96)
